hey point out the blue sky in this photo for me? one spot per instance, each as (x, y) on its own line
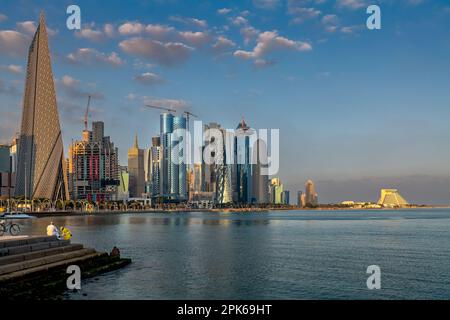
(357, 109)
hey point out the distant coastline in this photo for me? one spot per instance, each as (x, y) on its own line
(232, 210)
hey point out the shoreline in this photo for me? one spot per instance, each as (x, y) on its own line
(229, 210)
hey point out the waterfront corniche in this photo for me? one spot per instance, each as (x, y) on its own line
(36, 267)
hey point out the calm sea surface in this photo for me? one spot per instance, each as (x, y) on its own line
(277, 255)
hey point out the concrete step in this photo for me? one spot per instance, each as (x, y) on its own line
(37, 254)
(43, 261)
(21, 240)
(34, 246)
(49, 267)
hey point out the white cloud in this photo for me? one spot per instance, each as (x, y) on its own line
(224, 11)
(89, 56)
(12, 69)
(168, 54)
(249, 33)
(196, 39)
(222, 45)
(3, 17)
(239, 21)
(131, 28)
(71, 88)
(351, 4)
(29, 28)
(166, 103)
(160, 31)
(270, 41)
(331, 22)
(301, 14)
(190, 21)
(149, 78)
(165, 33)
(351, 29)
(13, 43)
(90, 33)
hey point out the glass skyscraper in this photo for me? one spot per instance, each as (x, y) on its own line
(243, 170)
(174, 181)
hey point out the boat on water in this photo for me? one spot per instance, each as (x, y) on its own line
(16, 216)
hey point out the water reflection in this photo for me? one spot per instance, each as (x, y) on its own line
(286, 255)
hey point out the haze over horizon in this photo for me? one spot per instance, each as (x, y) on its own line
(358, 110)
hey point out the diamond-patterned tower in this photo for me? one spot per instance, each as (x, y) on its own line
(41, 171)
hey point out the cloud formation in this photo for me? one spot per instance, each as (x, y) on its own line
(13, 43)
(148, 78)
(29, 28)
(14, 69)
(89, 56)
(168, 54)
(268, 42)
(351, 4)
(72, 88)
(223, 45)
(89, 32)
(224, 11)
(190, 21)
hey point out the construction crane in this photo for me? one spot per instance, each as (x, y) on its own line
(86, 115)
(188, 115)
(161, 108)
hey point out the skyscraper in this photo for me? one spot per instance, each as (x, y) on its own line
(300, 199)
(260, 180)
(242, 176)
(41, 171)
(136, 170)
(174, 179)
(7, 175)
(156, 167)
(285, 197)
(93, 166)
(275, 189)
(223, 170)
(311, 197)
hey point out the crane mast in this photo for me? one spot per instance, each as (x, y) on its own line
(86, 115)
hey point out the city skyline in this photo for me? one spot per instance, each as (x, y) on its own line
(349, 151)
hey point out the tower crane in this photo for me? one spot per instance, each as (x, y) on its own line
(188, 115)
(86, 115)
(161, 108)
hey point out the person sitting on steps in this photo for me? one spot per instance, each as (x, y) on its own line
(65, 233)
(52, 230)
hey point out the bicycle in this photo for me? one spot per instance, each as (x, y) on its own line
(13, 228)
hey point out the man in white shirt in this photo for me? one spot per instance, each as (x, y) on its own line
(52, 230)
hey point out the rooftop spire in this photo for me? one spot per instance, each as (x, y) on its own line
(42, 17)
(136, 142)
